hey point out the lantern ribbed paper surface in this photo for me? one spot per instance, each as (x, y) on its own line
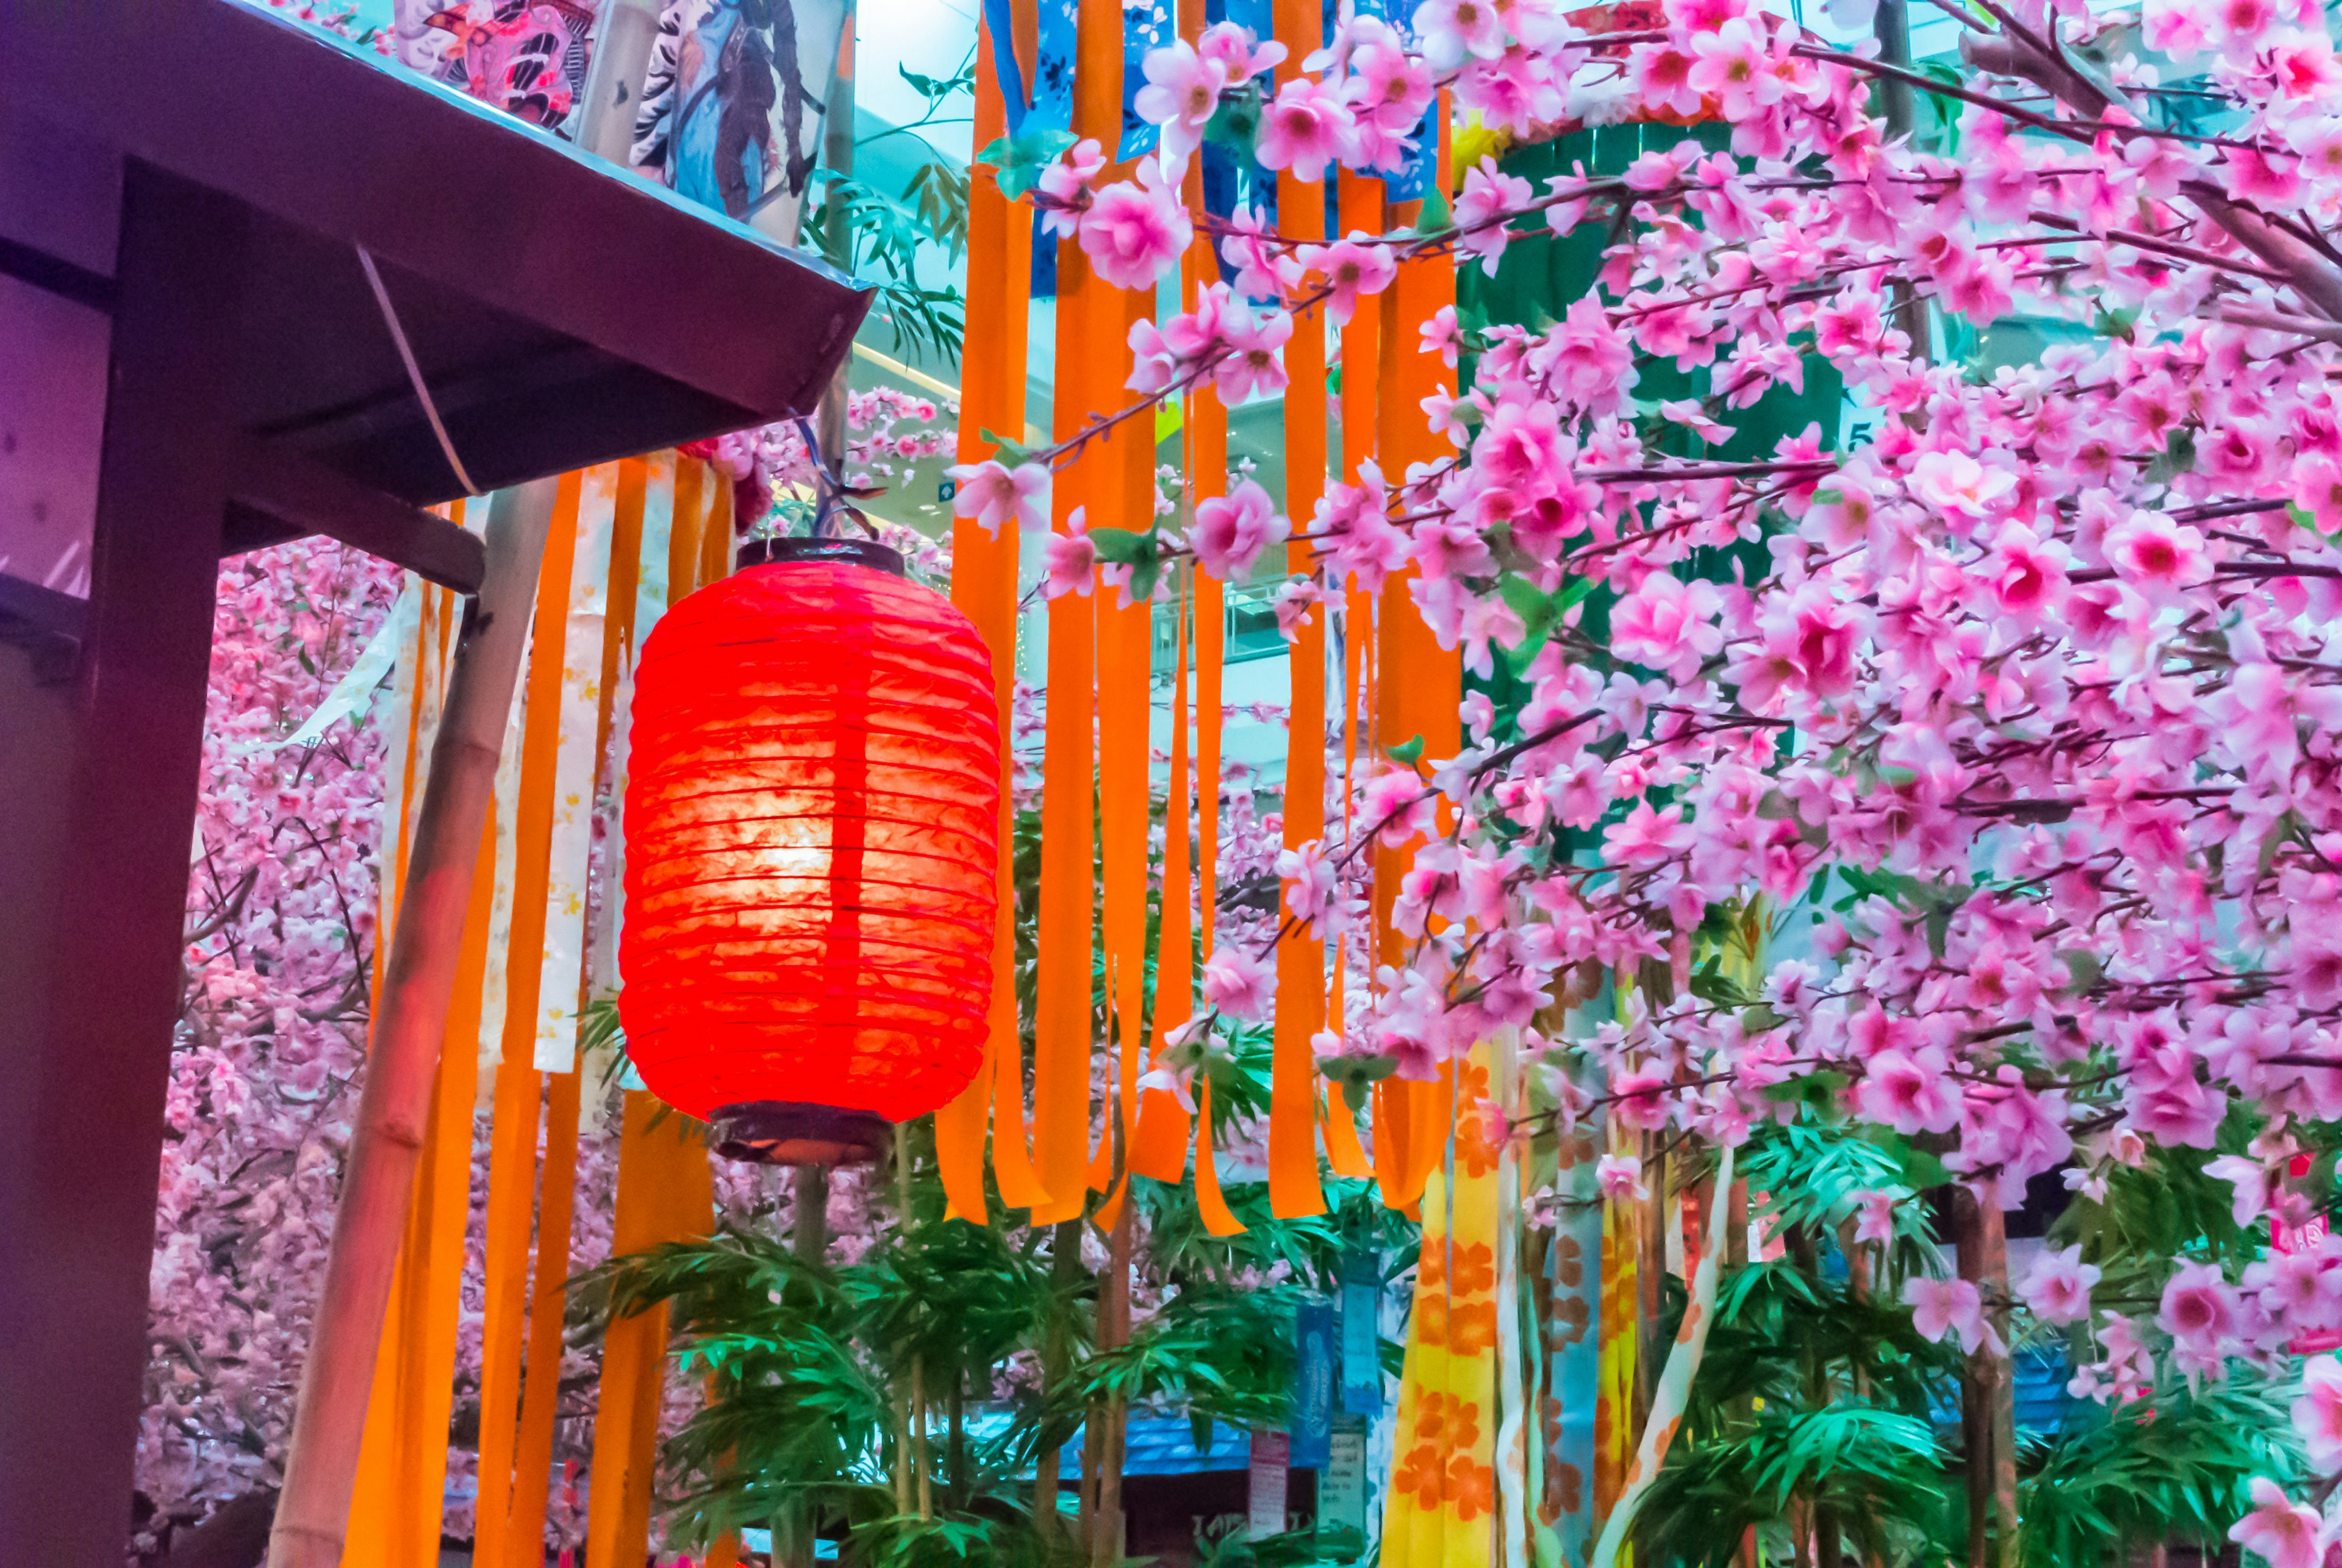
(812, 828)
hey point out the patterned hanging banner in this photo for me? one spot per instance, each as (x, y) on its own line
(1619, 1307)
(1574, 1275)
(1442, 1507)
(1673, 1394)
(574, 768)
(1515, 1382)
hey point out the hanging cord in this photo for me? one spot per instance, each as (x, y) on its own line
(414, 372)
(833, 491)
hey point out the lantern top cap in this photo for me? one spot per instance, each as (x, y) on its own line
(800, 551)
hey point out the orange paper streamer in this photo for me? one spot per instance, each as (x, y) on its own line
(983, 586)
(512, 1179)
(1160, 1148)
(664, 1188)
(1343, 1150)
(1125, 654)
(1061, 1013)
(656, 1182)
(1421, 683)
(1292, 1187)
(523, 1545)
(512, 1161)
(1086, 311)
(1209, 1201)
(715, 533)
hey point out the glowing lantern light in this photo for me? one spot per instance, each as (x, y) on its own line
(812, 833)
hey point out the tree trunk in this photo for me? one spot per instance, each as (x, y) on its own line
(1736, 1256)
(956, 1443)
(811, 1221)
(1064, 1264)
(1987, 1391)
(379, 1184)
(919, 1437)
(792, 1527)
(1995, 1285)
(1114, 1329)
(1651, 1268)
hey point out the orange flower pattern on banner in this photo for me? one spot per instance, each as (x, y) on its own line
(1443, 1503)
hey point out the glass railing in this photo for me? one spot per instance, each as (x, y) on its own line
(1250, 612)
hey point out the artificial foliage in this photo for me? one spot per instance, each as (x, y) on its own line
(900, 1403)
(2012, 696)
(2004, 703)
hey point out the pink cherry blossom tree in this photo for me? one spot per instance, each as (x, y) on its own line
(280, 942)
(2013, 726)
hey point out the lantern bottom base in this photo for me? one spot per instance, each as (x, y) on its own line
(794, 1132)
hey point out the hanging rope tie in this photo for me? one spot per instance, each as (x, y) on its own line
(413, 371)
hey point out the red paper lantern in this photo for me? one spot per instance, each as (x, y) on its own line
(811, 839)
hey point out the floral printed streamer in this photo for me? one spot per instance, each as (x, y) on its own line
(1614, 1421)
(573, 790)
(1514, 1382)
(500, 921)
(400, 722)
(650, 603)
(1572, 1353)
(1442, 1507)
(1673, 1390)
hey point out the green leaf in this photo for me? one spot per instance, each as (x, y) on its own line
(2177, 457)
(1143, 578)
(1017, 161)
(1408, 751)
(1237, 122)
(1438, 217)
(1123, 547)
(2084, 970)
(1007, 453)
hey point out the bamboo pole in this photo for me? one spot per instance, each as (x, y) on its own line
(378, 1183)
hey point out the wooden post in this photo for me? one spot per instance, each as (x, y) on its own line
(378, 1184)
(98, 778)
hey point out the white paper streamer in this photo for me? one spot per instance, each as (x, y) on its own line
(572, 773)
(354, 691)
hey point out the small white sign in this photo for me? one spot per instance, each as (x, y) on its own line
(1341, 1484)
(1271, 1452)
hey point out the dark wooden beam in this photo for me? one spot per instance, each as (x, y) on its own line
(98, 791)
(328, 137)
(278, 494)
(45, 622)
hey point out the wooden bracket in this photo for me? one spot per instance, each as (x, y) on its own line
(279, 494)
